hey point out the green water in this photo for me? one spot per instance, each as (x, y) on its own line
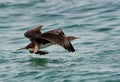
(97, 56)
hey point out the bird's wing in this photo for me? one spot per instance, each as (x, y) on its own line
(57, 37)
(31, 34)
(56, 31)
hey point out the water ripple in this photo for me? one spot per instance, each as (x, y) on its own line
(97, 52)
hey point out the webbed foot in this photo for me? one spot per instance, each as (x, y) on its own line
(41, 52)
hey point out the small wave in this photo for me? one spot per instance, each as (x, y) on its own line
(103, 29)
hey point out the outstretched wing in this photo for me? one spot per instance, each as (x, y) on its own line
(56, 31)
(57, 36)
(31, 34)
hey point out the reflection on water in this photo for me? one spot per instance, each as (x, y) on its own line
(39, 61)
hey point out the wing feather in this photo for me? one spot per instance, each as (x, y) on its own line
(56, 31)
(57, 38)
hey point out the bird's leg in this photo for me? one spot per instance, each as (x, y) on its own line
(36, 48)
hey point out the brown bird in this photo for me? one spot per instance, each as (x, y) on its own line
(42, 40)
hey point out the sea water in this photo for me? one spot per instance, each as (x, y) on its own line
(97, 56)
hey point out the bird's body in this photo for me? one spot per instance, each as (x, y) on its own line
(46, 45)
(42, 46)
(42, 40)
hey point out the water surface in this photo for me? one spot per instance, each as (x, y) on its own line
(97, 56)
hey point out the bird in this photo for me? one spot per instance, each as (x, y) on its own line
(39, 40)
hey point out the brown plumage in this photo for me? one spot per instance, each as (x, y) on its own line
(42, 40)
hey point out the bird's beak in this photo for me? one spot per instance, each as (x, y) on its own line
(20, 49)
